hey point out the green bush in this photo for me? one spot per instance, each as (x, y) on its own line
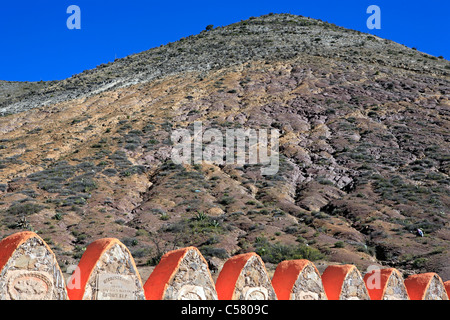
(339, 244)
(24, 208)
(226, 200)
(419, 262)
(277, 252)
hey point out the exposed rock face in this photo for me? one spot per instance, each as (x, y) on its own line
(363, 127)
(268, 37)
(31, 272)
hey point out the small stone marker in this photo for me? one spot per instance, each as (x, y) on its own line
(29, 270)
(298, 280)
(426, 286)
(385, 284)
(181, 274)
(244, 277)
(106, 272)
(344, 282)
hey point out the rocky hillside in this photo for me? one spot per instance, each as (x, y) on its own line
(364, 150)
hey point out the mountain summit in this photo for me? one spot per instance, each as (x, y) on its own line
(364, 150)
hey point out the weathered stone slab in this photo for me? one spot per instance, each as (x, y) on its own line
(244, 277)
(106, 272)
(385, 284)
(29, 270)
(298, 280)
(181, 274)
(426, 286)
(344, 282)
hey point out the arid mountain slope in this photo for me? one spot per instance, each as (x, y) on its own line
(364, 150)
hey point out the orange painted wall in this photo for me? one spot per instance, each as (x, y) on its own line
(417, 285)
(285, 276)
(447, 287)
(378, 293)
(226, 281)
(159, 279)
(9, 245)
(283, 280)
(87, 264)
(333, 278)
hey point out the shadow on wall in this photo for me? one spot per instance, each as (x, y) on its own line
(106, 271)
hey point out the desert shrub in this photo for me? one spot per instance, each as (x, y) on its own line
(82, 184)
(226, 200)
(324, 181)
(138, 169)
(110, 172)
(419, 262)
(50, 179)
(277, 252)
(73, 201)
(80, 237)
(339, 244)
(209, 251)
(140, 252)
(77, 252)
(200, 216)
(120, 159)
(29, 192)
(24, 208)
(130, 242)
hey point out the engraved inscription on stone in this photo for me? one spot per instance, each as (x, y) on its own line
(255, 293)
(306, 295)
(29, 285)
(116, 287)
(191, 292)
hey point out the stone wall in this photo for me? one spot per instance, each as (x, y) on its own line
(29, 270)
(106, 271)
(426, 286)
(182, 274)
(244, 277)
(298, 280)
(344, 282)
(385, 284)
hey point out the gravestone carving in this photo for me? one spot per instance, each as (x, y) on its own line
(106, 272)
(29, 270)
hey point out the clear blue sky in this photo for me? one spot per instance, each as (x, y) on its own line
(36, 44)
